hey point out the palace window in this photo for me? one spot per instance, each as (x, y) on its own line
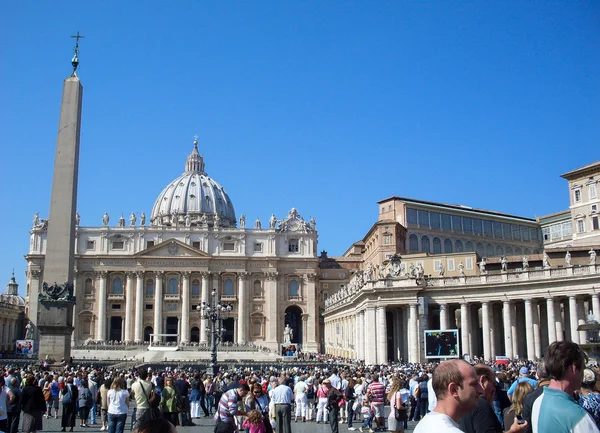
(437, 246)
(458, 246)
(387, 239)
(196, 288)
(469, 263)
(90, 245)
(196, 244)
(294, 291)
(595, 225)
(173, 286)
(448, 246)
(425, 244)
(411, 216)
(468, 225)
(580, 226)
(258, 247)
(149, 244)
(149, 306)
(118, 245)
(228, 246)
(228, 289)
(116, 306)
(413, 243)
(477, 226)
(423, 217)
(446, 221)
(469, 247)
(577, 195)
(149, 289)
(592, 191)
(88, 287)
(257, 291)
(434, 220)
(117, 286)
(487, 227)
(450, 264)
(497, 229)
(456, 223)
(293, 246)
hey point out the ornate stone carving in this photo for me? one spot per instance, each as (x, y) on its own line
(295, 223)
(57, 293)
(105, 219)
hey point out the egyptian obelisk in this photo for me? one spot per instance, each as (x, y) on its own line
(56, 300)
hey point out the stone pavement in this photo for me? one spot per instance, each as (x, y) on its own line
(205, 425)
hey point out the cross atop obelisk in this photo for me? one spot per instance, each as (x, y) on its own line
(75, 59)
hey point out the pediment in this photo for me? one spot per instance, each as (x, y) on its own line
(171, 248)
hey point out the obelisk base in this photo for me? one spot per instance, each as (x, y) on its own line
(55, 330)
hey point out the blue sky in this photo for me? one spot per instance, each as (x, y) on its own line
(323, 106)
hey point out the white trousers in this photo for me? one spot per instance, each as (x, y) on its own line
(301, 405)
(322, 412)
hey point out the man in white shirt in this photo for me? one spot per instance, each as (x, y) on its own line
(300, 397)
(457, 390)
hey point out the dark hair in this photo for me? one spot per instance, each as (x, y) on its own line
(485, 370)
(244, 387)
(158, 425)
(560, 355)
(444, 374)
(143, 373)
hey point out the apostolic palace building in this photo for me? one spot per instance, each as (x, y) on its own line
(510, 285)
(147, 276)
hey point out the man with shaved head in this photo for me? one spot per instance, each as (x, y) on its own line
(457, 390)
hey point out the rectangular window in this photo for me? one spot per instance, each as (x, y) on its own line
(423, 218)
(546, 233)
(115, 306)
(325, 285)
(149, 244)
(387, 239)
(118, 245)
(580, 226)
(411, 217)
(436, 265)
(497, 229)
(469, 263)
(487, 228)
(446, 222)
(556, 231)
(196, 244)
(477, 226)
(457, 223)
(258, 247)
(434, 220)
(90, 245)
(228, 246)
(293, 246)
(324, 274)
(506, 231)
(535, 234)
(342, 275)
(149, 306)
(525, 233)
(516, 232)
(567, 228)
(594, 208)
(595, 225)
(467, 225)
(577, 195)
(592, 191)
(451, 264)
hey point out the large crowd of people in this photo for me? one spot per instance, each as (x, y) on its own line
(556, 394)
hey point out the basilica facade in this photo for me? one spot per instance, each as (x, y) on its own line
(146, 276)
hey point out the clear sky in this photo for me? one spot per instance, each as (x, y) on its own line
(323, 106)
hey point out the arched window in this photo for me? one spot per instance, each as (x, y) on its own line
(448, 246)
(469, 247)
(499, 252)
(196, 288)
(257, 289)
(89, 287)
(228, 288)
(149, 288)
(489, 250)
(526, 251)
(479, 248)
(195, 335)
(509, 251)
(294, 289)
(518, 251)
(413, 243)
(437, 246)
(425, 245)
(458, 246)
(117, 286)
(173, 286)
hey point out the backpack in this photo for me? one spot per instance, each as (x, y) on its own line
(67, 397)
(47, 394)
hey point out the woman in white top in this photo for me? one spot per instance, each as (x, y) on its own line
(118, 406)
(397, 408)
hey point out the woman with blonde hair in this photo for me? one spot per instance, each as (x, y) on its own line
(516, 409)
(398, 413)
(118, 406)
(168, 402)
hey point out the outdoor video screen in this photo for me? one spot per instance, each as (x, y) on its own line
(442, 344)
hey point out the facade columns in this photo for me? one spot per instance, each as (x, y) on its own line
(184, 324)
(158, 304)
(573, 319)
(360, 334)
(75, 315)
(381, 334)
(529, 329)
(128, 305)
(443, 317)
(513, 330)
(139, 307)
(551, 320)
(101, 330)
(537, 338)
(370, 343)
(242, 315)
(596, 306)
(581, 316)
(485, 318)
(506, 315)
(310, 336)
(558, 323)
(464, 327)
(273, 336)
(413, 332)
(204, 297)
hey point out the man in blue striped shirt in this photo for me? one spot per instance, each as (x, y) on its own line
(228, 409)
(555, 411)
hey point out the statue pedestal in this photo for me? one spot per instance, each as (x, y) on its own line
(55, 328)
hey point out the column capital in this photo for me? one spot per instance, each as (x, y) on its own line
(101, 274)
(130, 274)
(595, 296)
(139, 274)
(186, 274)
(35, 273)
(159, 274)
(243, 274)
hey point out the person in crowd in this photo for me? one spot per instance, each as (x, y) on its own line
(93, 387)
(350, 397)
(228, 408)
(69, 397)
(55, 397)
(516, 408)
(118, 406)
(183, 388)
(322, 393)
(254, 422)
(168, 402)
(159, 425)
(589, 398)
(543, 381)
(555, 410)
(398, 412)
(413, 384)
(311, 402)
(457, 389)
(85, 403)
(334, 398)
(367, 414)
(33, 406)
(282, 398)
(13, 406)
(300, 398)
(209, 385)
(258, 400)
(140, 392)
(523, 377)
(376, 394)
(197, 396)
(104, 388)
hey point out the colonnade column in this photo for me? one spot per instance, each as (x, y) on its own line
(581, 316)
(381, 334)
(529, 329)
(101, 330)
(573, 319)
(551, 320)
(273, 336)
(537, 337)
(184, 324)
(360, 334)
(413, 330)
(558, 323)
(139, 307)
(242, 302)
(158, 303)
(204, 297)
(75, 319)
(485, 316)
(596, 306)
(513, 330)
(370, 341)
(464, 328)
(508, 346)
(128, 304)
(443, 316)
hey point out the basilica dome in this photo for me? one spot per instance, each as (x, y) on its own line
(193, 199)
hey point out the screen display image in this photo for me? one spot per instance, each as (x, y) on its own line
(24, 347)
(442, 344)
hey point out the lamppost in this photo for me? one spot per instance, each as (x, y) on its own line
(215, 311)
